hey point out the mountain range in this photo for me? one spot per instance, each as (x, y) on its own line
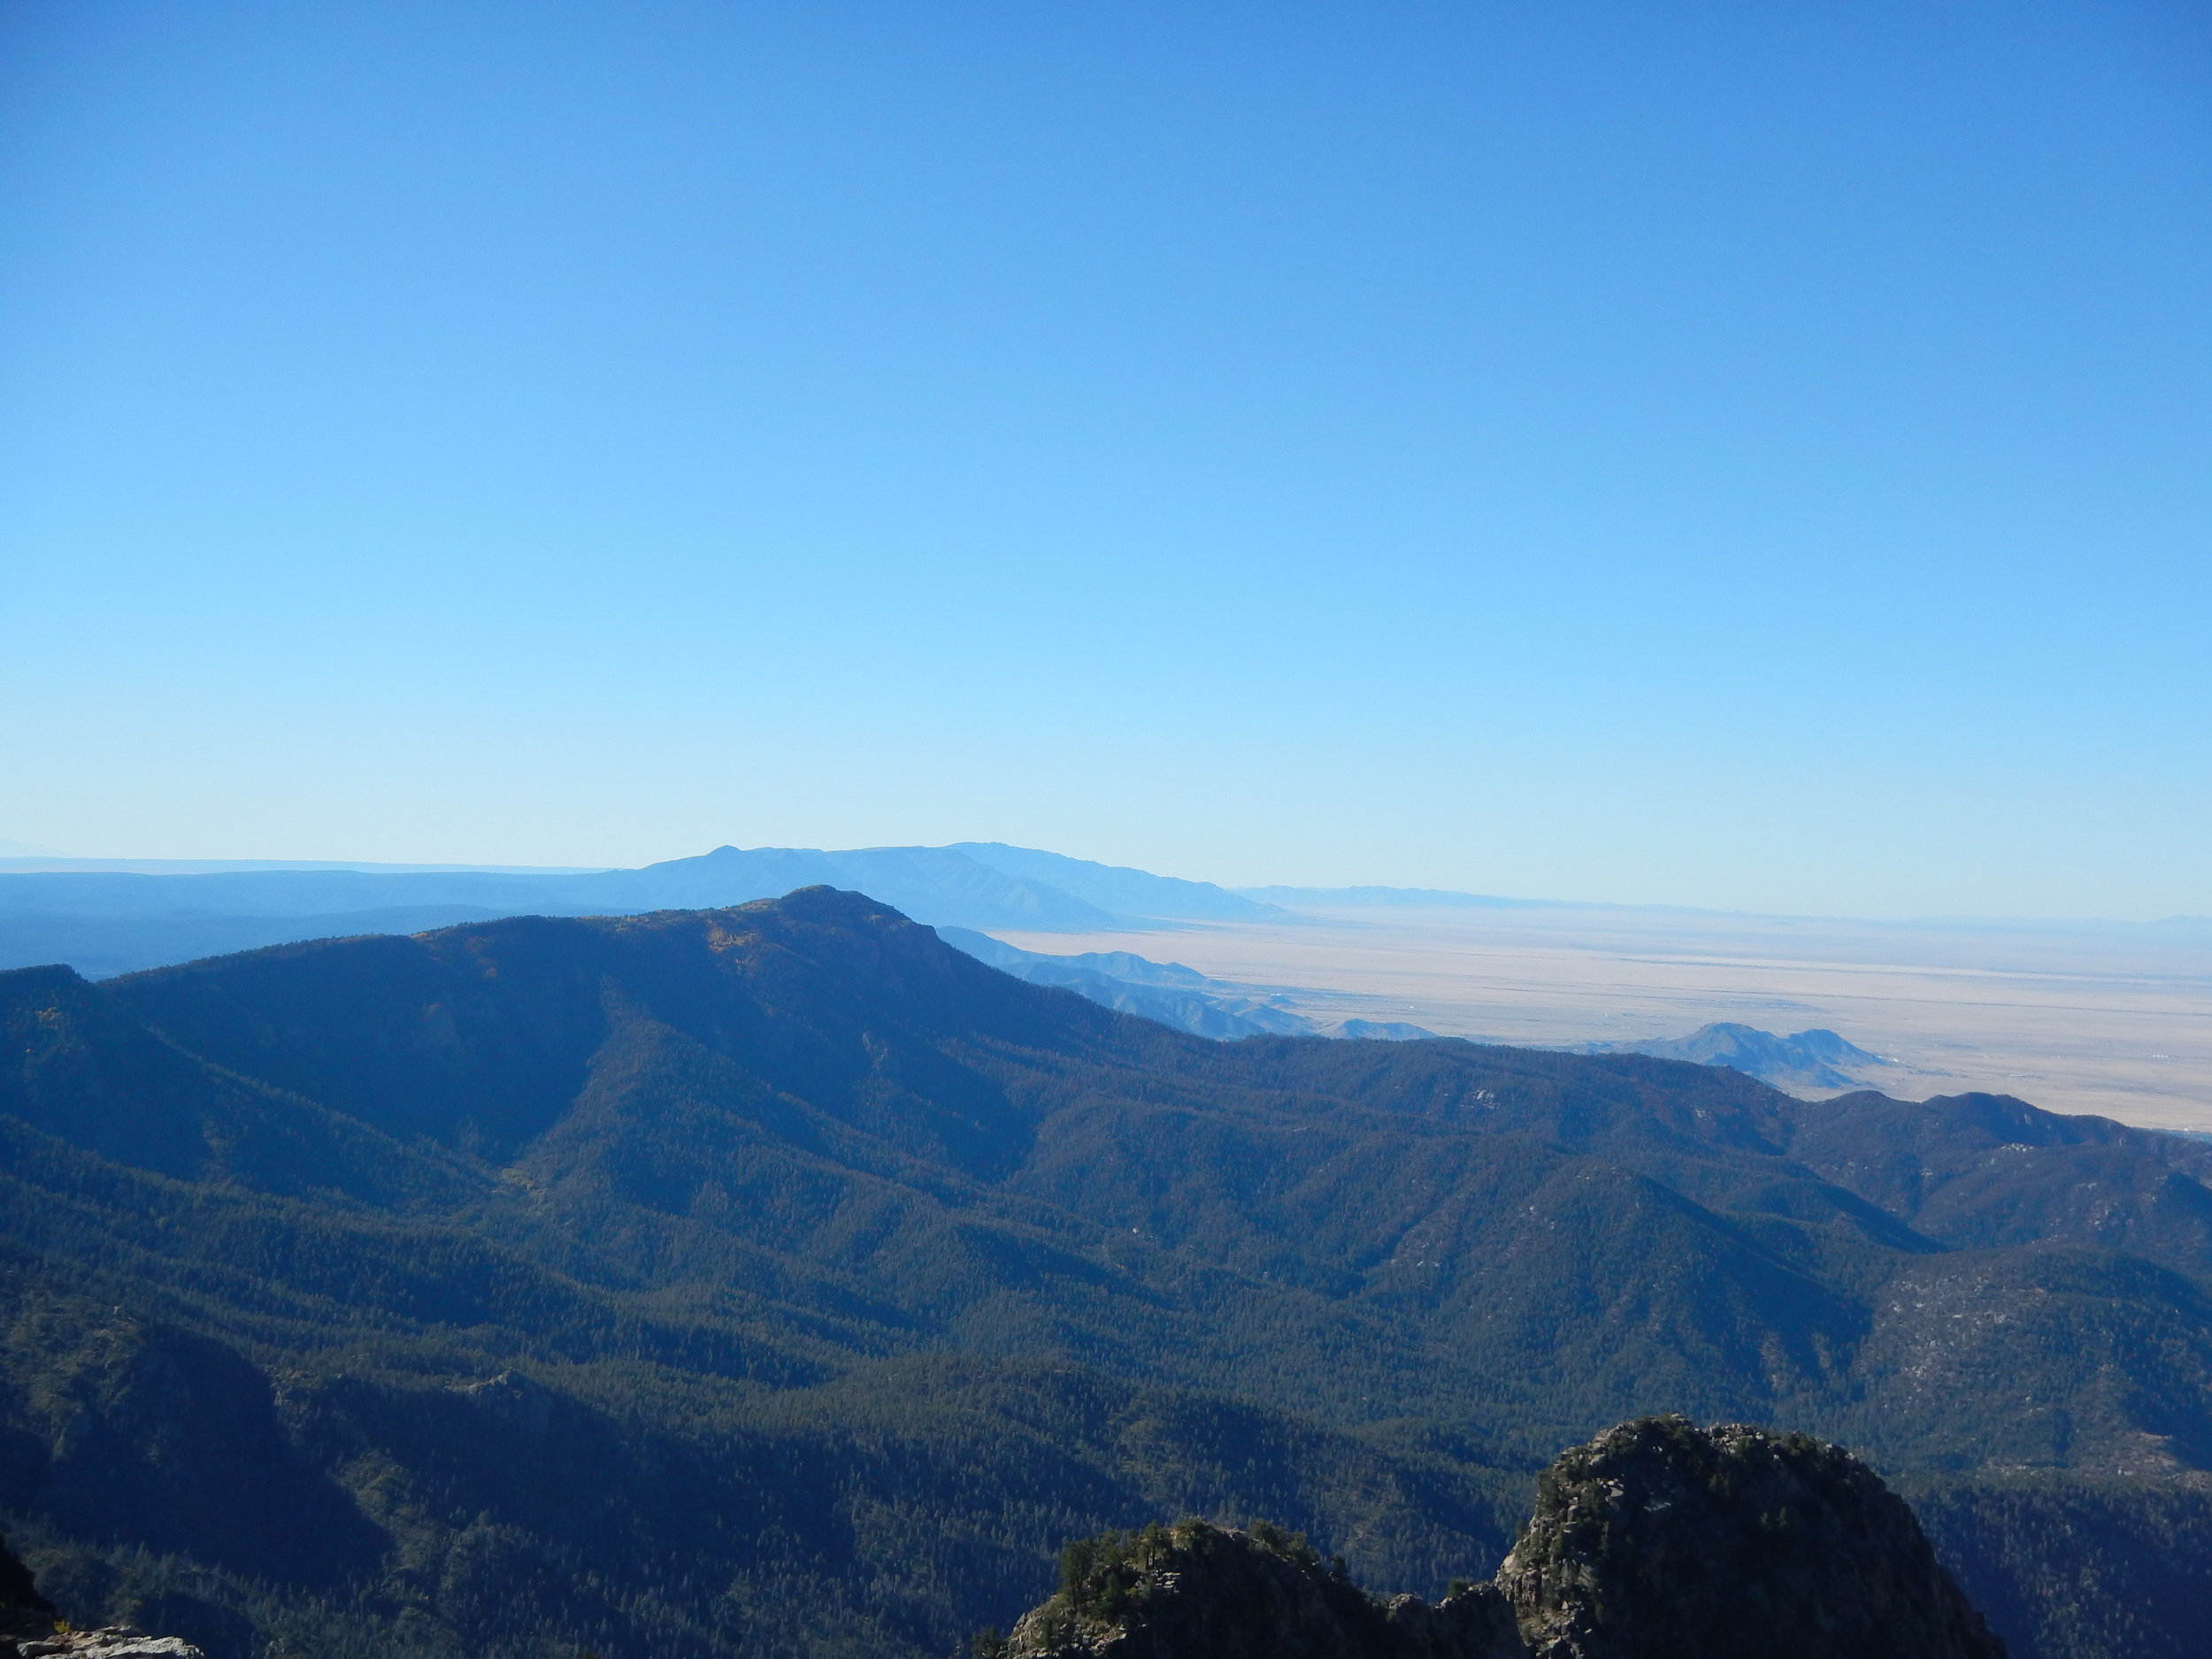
(108, 922)
(779, 1278)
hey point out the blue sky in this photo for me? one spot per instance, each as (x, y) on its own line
(1743, 455)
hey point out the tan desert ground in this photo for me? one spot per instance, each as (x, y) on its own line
(2114, 1020)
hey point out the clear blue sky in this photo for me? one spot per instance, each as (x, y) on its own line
(1749, 456)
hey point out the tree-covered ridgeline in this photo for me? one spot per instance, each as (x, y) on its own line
(781, 1279)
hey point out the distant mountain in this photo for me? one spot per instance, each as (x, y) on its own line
(58, 863)
(1167, 991)
(931, 884)
(1807, 1060)
(110, 916)
(781, 1278)
(109, 922)
(1122, 891)
(1373, 897)
(123, 895)
(100, 947)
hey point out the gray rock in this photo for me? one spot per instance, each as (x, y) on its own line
(114, 1641)
(1656, 1541)
(1196, 1591)
(1662, 1540)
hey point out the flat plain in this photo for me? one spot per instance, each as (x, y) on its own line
(2114, 1020)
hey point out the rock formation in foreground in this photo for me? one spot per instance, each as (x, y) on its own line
(1662, 1540)
(1656, 1541)
(27, 1629)
(1195, 1589)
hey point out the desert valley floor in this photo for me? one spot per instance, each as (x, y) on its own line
(2115, 1020)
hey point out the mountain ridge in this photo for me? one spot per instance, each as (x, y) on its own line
(1657, 1539)
(798, 1190)
(109, 922)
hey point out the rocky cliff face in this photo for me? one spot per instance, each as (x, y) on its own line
(1656, 1541)
(27, 1629)
(1661, 1540)
(1194, 1589)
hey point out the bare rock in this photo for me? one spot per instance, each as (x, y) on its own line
(113, 1641)
(28, 1629)
(1196, 1591)
(1662, 1540)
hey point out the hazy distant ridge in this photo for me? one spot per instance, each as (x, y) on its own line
(1172, 994)
(1373, 897)
(1815, 1060)
(1118, 888)
(776, 1247)
(103, 922)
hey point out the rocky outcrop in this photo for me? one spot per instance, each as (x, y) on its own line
(112, 1641)
(1194, 1589)
(1661, 1540)
(28, 1629)
(1656, 1541)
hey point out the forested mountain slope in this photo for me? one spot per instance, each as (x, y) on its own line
(726, 1281)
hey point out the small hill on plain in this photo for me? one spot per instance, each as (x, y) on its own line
(1806, 1062)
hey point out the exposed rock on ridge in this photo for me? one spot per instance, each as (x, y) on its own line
(28, 1628)
(1661, 1540)
(112, 1641)
(1656, 1541)
(1195, 1589)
